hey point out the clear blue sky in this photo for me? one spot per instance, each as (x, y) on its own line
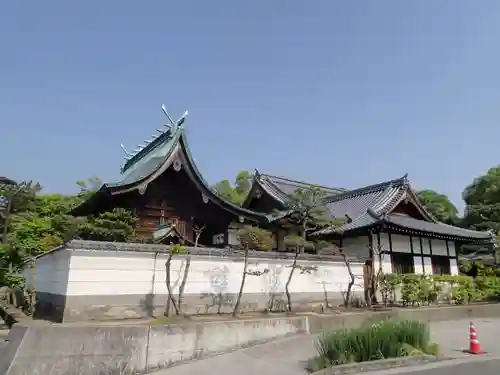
(341, 93)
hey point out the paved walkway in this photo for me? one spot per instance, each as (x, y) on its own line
(283, 357)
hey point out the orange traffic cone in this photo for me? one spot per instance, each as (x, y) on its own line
(474, 345)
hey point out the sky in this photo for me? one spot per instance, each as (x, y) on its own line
(334, 92)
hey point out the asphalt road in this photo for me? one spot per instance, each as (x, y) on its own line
(480, 366)
(491, 367)
(283, 357)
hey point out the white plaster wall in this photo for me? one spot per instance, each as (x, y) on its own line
(439, 247)
(453, 267)
(452, 249)
(417, 262)
(357, 246)
(416, 245)
(386, 258)
(113, 273)
(50, 273)
(425, 246)
(400, 244)
(427, 266)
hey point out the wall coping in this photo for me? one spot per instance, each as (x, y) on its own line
(201, 251)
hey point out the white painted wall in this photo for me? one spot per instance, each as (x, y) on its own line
(439, 247)
(118, 273)
(400, 244)
(453, 267)
(386, 258)
(427, 266)
(50, 274)
(417, 262)
(357, 246)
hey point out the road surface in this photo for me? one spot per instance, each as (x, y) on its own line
(283, 357)
(483, 366)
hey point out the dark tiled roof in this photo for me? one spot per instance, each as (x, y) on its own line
(406, 222)
(370, 206)
(281, 188)
(201, 251)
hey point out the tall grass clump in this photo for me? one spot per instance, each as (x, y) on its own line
(378, 341)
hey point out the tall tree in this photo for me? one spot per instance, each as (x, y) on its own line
(439, 206)
(307, 213)
(238, 193)
(251, 238)
(482, 198)
(117, 225)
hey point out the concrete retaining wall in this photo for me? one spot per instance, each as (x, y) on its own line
(321, 323)
(127, 350)
(124, 350)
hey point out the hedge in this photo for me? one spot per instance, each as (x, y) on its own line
(413, 289)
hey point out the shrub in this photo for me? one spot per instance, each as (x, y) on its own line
(379, 341)
(415, 289)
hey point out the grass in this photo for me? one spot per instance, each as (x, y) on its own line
(386, 339)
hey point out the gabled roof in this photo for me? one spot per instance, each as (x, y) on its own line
(280, 188)
(372, 205)
(169, 231)
(170, 148)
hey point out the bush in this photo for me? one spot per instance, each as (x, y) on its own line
(413, 289)
(379, 341)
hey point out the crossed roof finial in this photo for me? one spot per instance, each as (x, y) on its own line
(172, 126)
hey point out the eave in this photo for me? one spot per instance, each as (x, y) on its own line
(171, 152)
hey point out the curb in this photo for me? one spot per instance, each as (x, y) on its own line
(382, 364)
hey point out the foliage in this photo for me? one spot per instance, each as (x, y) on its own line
(255, 238)
(40, 222)
(173, 250)
(439, 206)
(88, 187)
(117, 225)
(238, 193)
(12, 280)
(416, 289)
(386, 339)
(482, 199)
(307, 213)
(251, 238)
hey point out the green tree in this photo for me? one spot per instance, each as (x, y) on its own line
(88, 187)
(307, 213)
(197, 230)
(439, 206)
(21, 200)
(224, 189)
(173, 250)
(117, 225)
(251, 238)
(482, 199)
(238, 193)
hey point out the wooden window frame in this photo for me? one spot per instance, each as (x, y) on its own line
(402, 263)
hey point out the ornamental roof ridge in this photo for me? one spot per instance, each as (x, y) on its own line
(154, 141)
(401, 181)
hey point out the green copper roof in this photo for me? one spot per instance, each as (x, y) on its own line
(169, 148)
(147, 161)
